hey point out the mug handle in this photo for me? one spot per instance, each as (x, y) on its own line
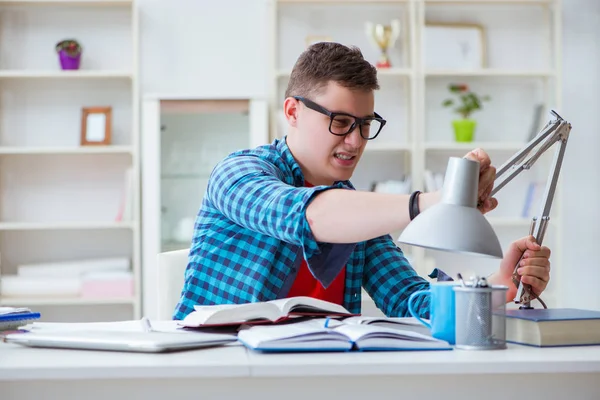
(412, 310)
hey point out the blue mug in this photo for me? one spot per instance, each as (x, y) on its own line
(442, 312)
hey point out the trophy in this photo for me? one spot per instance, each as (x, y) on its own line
(384, 37)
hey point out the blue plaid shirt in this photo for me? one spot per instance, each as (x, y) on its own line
(251, 235)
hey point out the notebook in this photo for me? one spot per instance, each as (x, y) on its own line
(323, 334)
(144, 342)
(269, 312)
(553, 327)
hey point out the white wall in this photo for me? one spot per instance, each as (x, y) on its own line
(204, 47)
(581, 104)
(233, 46)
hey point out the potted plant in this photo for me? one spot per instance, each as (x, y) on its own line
(466, 103)
(69, 53)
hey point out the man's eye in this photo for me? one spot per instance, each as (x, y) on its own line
(342, 121)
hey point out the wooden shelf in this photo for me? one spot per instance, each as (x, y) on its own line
(60, 74)
(285, 73)
(26, 150)
(490, 2)
(343, 1)
(95, 3)
(377, 147)
(487, 146)
(39, 226)
(491, 73)
(63, 301)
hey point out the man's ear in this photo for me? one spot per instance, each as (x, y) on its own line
(290, 110)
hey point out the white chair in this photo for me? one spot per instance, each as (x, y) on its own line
(171, 270)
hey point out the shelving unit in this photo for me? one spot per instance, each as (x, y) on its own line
(59, 200)
(523, 69)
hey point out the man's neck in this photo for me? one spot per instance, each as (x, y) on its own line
(315, 180)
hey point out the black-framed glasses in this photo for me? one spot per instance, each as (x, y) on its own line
(341, 124)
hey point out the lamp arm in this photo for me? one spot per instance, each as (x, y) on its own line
(555, 131)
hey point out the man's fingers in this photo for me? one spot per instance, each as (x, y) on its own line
(537, 271)
(486, 181)
(481, 156)
(526, 243)
(542, 252)
(537, 284)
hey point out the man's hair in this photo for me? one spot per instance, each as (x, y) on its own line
(328, 61)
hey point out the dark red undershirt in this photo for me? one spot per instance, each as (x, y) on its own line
(305, 283)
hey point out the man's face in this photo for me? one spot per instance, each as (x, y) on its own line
(323, 156)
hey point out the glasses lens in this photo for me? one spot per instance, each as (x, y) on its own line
(371, 128)
(341, 124)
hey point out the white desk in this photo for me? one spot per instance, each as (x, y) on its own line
(233, 372)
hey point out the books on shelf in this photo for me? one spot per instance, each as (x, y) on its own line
(553, 327)
(324, 334)
(109, 277)
(269, 312)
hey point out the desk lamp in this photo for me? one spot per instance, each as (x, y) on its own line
(456, 225)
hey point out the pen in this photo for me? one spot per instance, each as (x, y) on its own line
(146, 326)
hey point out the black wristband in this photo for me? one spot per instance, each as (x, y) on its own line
(413, 204)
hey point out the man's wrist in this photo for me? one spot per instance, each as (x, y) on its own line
(427, 200)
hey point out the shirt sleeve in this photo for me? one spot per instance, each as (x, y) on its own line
(390, 279)
(251, 192)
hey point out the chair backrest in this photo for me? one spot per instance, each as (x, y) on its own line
(171, 271)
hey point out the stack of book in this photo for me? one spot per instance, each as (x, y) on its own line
(308, 324)
(87, 278)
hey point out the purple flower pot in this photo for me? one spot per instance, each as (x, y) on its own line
(67, 61)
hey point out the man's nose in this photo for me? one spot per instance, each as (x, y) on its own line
(354, 138)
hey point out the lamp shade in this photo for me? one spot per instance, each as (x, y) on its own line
(455, 224)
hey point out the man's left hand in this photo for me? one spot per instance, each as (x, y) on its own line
(534, 268)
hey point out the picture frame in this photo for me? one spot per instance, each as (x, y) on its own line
(96, 126)
(312, 39)
(454, 46)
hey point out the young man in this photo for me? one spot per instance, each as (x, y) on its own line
(283, 219)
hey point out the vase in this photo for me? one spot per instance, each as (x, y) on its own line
(464, 129)
(67, 61)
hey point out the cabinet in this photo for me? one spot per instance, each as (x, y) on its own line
(184, 138)
(60, 201)
(520, 70)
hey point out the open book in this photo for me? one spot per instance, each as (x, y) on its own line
(262, 312)
(333, 335)
(399, 323)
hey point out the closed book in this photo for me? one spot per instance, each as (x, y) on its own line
(268, 312)
(553, 327)
(320, 334)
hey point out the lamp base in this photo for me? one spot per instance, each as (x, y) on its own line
(525, 308)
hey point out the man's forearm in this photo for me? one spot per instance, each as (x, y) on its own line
(348, 216)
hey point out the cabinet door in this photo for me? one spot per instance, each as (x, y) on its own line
(182, 142)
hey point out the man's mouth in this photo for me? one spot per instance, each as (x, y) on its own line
(344, 156)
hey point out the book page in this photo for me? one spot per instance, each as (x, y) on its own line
(356, 332)
(305, 304)
(231, 314)
(305, 334)
(399, 323)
